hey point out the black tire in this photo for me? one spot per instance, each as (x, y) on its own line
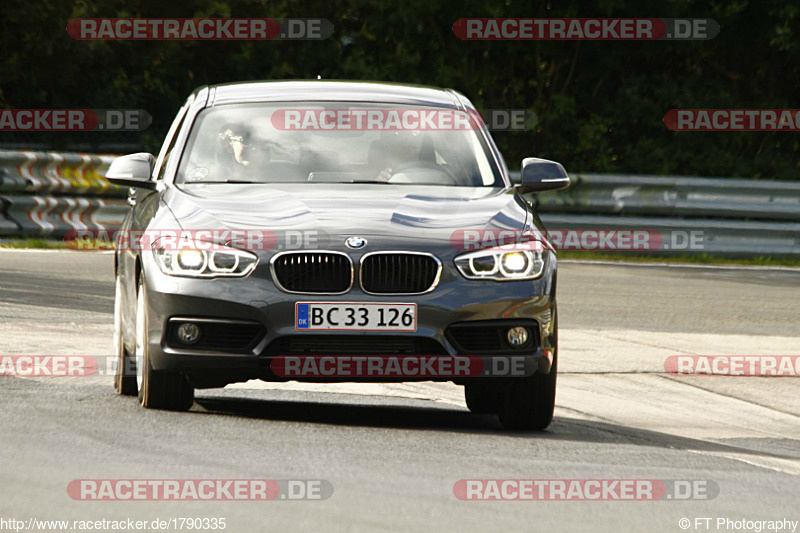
(528, 403)
(158, 390)
(480, 398)
(125, 374)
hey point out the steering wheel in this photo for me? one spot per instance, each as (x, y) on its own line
(426, 165)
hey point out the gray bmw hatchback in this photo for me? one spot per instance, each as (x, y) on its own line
(335, 231)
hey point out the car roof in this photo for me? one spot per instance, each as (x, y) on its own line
(341, 91)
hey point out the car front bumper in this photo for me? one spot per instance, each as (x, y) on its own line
(256, 300)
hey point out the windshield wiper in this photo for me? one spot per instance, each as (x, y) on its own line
(215, 182)
(382, 182)
(219, 181)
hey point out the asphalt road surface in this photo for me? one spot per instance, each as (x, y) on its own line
(393, 453)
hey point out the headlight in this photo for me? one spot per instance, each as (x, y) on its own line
(501, 264)
(221, 261)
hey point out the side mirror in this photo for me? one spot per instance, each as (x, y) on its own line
(541, 175)
(134, 170)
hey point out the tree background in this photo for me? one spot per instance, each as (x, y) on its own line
(600, 105)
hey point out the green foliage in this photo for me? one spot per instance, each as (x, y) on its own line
(600, 105)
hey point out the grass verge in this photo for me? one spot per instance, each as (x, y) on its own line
(33, 243)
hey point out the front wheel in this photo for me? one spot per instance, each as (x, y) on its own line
(481, 398)
(157, 389)
(124, 377)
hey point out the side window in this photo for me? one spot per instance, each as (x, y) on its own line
(169, 142)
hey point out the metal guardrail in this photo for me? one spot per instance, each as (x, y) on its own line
(733, 217)
(713, 236)
(47, 194)
(676, 197)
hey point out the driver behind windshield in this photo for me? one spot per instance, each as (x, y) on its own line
(397, 149)
(238, 152)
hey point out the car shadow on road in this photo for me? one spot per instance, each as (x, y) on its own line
(451, 418)
(438, 416)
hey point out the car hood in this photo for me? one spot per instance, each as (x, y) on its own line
(392, 214)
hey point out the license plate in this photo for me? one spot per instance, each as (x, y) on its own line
(355, 316)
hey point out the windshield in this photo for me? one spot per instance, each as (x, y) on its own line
(337, 143)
